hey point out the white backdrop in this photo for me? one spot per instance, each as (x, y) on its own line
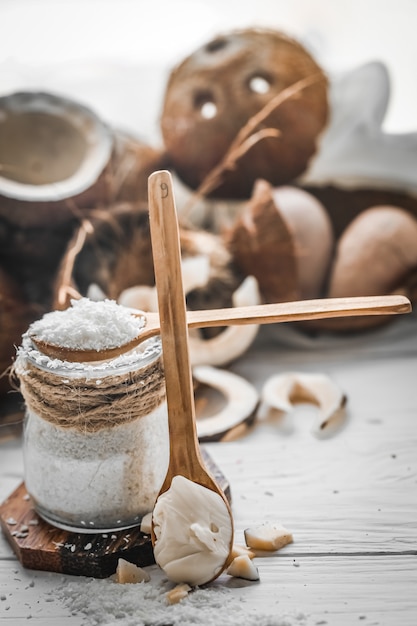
(114, 55)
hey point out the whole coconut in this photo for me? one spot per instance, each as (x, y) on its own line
(213, 93)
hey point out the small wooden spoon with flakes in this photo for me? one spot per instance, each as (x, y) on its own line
(185, 458)
(256, 314)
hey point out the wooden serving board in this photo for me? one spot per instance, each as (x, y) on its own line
(41, 546)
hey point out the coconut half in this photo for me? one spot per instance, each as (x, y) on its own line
(51, 147)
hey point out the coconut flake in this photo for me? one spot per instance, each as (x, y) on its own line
(104, 602)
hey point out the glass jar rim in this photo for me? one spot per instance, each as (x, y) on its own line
(144, 354)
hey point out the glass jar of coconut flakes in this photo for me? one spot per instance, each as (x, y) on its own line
(96, 441)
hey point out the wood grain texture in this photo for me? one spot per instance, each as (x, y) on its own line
(332, 591)
(185, 457)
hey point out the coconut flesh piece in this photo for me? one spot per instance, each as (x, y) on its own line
(231, 342)
(178, 593)
(241, 396)
(146, 524)
(127, 572)
(234, 340)
(242, 567)
(195, 274)
(239, 550)
(282, 391)
(268, 537)
(192, 531)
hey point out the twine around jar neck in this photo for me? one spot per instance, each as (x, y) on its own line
(88, 404)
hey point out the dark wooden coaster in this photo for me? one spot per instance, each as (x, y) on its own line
(39, 545)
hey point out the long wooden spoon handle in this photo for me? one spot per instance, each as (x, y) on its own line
(172, 315)
(300, 310)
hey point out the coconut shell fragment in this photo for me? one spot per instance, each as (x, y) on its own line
(284, 238)
(112, 251)
(382, 241)
(375, 255)
(60, 165)
(213, 93)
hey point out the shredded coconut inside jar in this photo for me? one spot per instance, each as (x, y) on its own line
(89, 325)
(96, 436)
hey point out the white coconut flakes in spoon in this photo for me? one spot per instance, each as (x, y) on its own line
(89, 325)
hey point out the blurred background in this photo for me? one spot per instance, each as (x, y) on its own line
(115, 55)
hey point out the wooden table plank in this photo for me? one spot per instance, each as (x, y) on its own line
(353, 492)
(350, 499)
(338, 591)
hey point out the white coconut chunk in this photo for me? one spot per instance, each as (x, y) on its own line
(234, 340)
(238, 550)
(178, 593)
(127, 572)
(282, 391)
(241, 400)
(146, 524)
(243, 567)
(267, 537)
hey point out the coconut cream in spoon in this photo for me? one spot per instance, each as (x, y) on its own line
(192, 531)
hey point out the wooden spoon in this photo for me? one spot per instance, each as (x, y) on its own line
(185, 458)
(255, 314)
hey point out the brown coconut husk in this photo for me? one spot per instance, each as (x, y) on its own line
(262, 246)
(113, 252)
(31, 252)
(376, 255)
(36, 228)
(15, 314)
(220, 72)
(343, 205)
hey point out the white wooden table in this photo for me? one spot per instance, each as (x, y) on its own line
(350, 499)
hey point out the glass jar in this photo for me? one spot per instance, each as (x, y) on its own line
(96, 442)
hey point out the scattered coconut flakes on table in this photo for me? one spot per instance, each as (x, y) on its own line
(103, 602)
(268, 537)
